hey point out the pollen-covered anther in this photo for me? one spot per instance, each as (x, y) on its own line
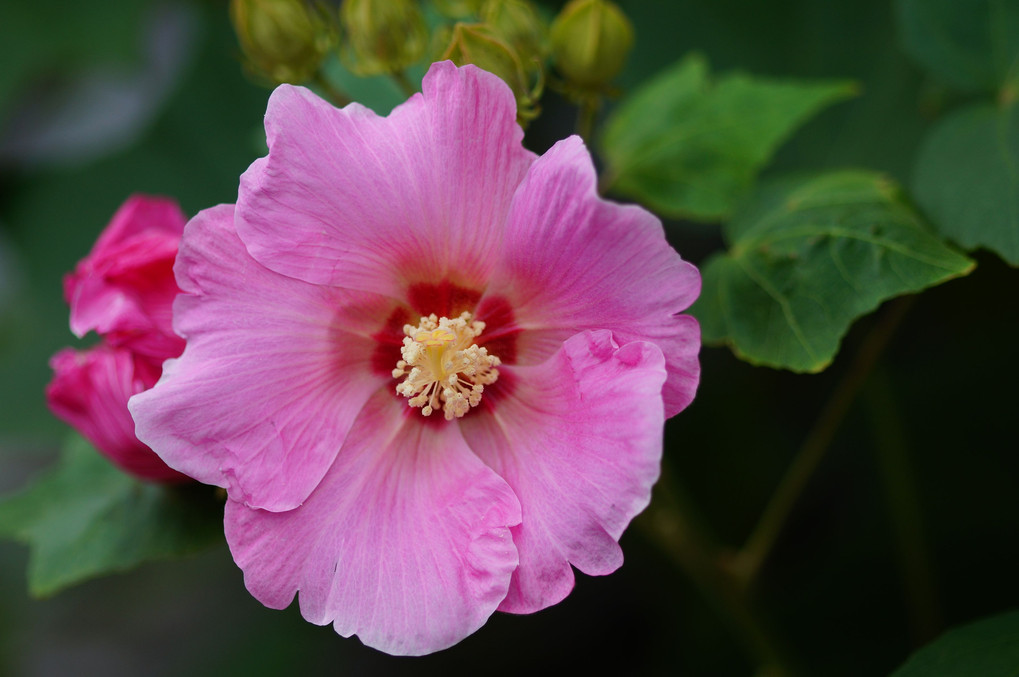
(443, 367)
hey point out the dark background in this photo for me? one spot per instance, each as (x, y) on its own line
(106, 99)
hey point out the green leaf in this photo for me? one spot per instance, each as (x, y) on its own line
(967, 178)
(810, 255)
(687, 146)
(972, 45)
(988, 648)
(86, 518)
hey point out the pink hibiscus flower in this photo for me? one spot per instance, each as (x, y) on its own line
(430, 368)
(123, 290)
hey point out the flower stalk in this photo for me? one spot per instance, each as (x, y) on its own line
(404, 83)
(587, 112)
(335, 95)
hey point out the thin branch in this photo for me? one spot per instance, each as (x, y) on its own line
(666, 524)
(906, 521)
(749, 560)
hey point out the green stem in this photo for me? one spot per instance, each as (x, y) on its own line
(666, 524)
(406, 86)
(904, 510)
(332, 92)
(749, 560)
(586, 114)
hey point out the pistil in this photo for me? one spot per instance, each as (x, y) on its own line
(443, 367)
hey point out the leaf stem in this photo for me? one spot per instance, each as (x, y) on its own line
(747, 563)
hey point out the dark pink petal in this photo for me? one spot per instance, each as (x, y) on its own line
(90, 390)
(124, 288)
(572, 261)
(405, 543)
(580, 441)
(348, 198)
(274, 373)
(125, 285)
(136, 316)
(140, 215)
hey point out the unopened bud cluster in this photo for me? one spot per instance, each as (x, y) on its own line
(508, 40)
(288, 40)
(282, 40)
(383, 36)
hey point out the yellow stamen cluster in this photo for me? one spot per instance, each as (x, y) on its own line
(443, 365)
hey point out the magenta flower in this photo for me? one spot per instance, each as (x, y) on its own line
(430, 369)
(123, 290)
(90, 390)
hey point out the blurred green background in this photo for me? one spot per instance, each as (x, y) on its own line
(909, 526)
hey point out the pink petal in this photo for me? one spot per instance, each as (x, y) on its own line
(90, 390)
(348, 198)
(124, 288)
(405, 543)
(580, 441)
(572, 261)
(274, 372)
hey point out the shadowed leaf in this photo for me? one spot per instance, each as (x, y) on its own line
(972, 45)
(989, 648)
(967, 178)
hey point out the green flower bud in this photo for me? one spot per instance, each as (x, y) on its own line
(282, 40)
(480, 45)
(384, 36)
(517, 22)
(590, 41)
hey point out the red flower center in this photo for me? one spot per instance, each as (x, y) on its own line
(495, 343)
